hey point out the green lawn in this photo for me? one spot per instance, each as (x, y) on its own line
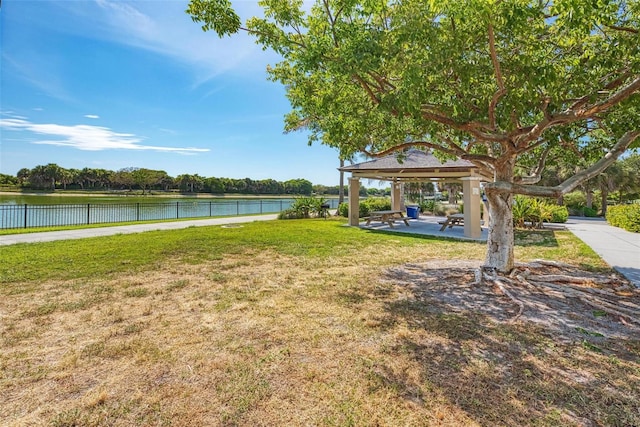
(286, 323)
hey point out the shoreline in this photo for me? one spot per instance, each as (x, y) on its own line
(63, 193)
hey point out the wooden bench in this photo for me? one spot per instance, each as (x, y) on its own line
(387, 216)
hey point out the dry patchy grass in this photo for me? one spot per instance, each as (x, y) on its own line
(269, 338)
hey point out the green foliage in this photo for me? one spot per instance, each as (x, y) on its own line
(625, 216)
(536, 212)
(366, 206)
(374, 204)
(343, 210)
(576, 202)
(559, 214)
(430, 206)
(8, 179)
(589, 212)
(52, 177)
(304, 207)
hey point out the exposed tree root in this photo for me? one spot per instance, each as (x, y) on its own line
(593, 290)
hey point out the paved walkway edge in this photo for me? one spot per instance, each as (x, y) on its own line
(618, 247)
(82, 233)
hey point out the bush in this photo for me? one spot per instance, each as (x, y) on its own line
(439, 209)
(433, 207)
(533, 211)
(625, 216)
(303, 207)
(428, 206)
(291, 214)
(374, 204)
(589, 212)
(343, 209)
(559, 214)
(366, 206)
(576, 202)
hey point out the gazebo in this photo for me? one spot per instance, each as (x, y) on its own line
(419, 166)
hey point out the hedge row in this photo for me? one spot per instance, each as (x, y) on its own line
(625, 216)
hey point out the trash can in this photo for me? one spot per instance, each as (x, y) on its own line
(413, 211)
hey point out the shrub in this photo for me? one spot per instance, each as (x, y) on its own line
(374, 204)
(343, 209)
(559, 214)
(576, 202)
(439, 209)
(589, 212)
(366, 206)
(303, 207)
(625, 216)
(291, 214)
(533, 211)
(428, 206)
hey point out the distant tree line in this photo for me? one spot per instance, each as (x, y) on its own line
(53, 177)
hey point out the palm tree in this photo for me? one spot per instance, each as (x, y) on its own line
(52, 173)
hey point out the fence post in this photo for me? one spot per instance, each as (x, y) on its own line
(138, 211)
(88, 210)
(237, 207)
(177, 210)
(25, 215)
(209, 208)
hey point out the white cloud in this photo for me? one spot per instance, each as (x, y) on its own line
(165, 28)
(92, 116)
(88, 138)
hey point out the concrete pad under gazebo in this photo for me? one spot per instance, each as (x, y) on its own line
(419, 166)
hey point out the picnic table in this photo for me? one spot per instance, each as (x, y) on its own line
(387, 216)
(455, 219)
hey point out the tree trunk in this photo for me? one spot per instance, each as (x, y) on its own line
(589, 197)
(604, 194)
(500, 239)
(341, 188)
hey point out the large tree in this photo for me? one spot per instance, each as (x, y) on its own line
(503, 84)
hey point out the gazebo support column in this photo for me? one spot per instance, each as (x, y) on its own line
(471, 199)
(354, 201)
(396, 196)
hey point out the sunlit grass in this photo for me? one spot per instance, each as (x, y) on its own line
(282, 323)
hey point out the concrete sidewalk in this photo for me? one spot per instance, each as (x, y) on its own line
(618, 247)
(49, 236)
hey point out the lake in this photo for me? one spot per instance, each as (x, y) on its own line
(28, 211)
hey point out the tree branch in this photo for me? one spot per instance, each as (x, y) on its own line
(567, 186)
(367, 88)
(473, 128)
(619, 96)
(536, 174)
(571, 116)
(624, 29)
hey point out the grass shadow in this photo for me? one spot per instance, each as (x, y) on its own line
(503, 373)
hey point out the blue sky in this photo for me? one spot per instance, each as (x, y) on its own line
(116, 84)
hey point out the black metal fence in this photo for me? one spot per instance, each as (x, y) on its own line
(32, 216)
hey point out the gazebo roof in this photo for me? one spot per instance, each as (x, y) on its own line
(415, 165)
